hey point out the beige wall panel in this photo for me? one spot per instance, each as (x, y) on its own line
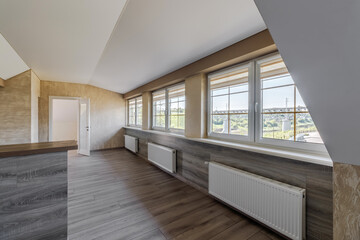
(107, 112)
(346, 201)
(195, 117)
(251, 47)
(35, 94)
(15, 110)
(146, 111)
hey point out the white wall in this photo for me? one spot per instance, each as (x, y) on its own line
(65, 119)
(320, 44)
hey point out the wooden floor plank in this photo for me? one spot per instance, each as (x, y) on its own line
(114, 194)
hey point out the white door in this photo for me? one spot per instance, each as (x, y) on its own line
(84, 127)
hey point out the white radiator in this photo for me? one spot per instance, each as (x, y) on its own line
(163, 157)
(132, 143)
(278, 205)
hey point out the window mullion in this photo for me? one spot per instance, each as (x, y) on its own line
(257, 103)
(135, 112)
(294, 113)
(166, 109)
(228, 110)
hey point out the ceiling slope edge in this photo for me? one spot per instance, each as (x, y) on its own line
(319, 42)
(11, 64)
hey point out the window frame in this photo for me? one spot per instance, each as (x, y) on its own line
(136, 114)
(169, 129)
(152, 110)
(314, 147)
(255, 116)
(229, 136)
(166, 128)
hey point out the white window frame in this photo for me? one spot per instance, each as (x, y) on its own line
(234, 137)
(313, 147)
(255, 117)
(128, 115)
(167, 111)
(152, 111)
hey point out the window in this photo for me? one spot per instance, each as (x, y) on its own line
(159, 109)
(259, 102)
(230, 101)
(138, 111)
(132, 112)
(135, 112)
(283, 113)
(169, 109)
(177, 107)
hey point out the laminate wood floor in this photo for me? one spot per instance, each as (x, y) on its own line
(115, 194)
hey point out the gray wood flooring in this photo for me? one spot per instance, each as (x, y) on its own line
(115, 194)
(192, 157)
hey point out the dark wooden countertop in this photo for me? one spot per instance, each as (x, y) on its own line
(36, 148)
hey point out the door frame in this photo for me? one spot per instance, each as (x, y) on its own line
(85, 101)
(51, 98)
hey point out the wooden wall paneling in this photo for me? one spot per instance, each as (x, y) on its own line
(33, 196)
(2, 83)
(193, 157)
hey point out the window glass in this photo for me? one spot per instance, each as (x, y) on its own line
(169, 108)
(176, 97)
(259, 102)
(139, 111)
(132, 111)
(159, 108)
(284, 114)
(230, 101)
(135, 112)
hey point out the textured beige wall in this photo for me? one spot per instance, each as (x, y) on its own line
(35, 94)
(146, 110)
(346, 201)
(195, 117)
(107, 112)
(15, 110)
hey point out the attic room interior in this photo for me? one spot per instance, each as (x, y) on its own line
(138, 119)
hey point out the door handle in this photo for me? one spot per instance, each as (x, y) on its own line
(256, 107)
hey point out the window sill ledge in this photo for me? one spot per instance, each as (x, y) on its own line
(322, 159)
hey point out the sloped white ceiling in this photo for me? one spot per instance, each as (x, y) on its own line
(61, 40)
(10, 62)
(118, 44)
(153, 38)
(320, 43)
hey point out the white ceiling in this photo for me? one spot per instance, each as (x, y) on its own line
(119, 46)
(10, 62)
(156, 37)
(319, 41)
(61, 40)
